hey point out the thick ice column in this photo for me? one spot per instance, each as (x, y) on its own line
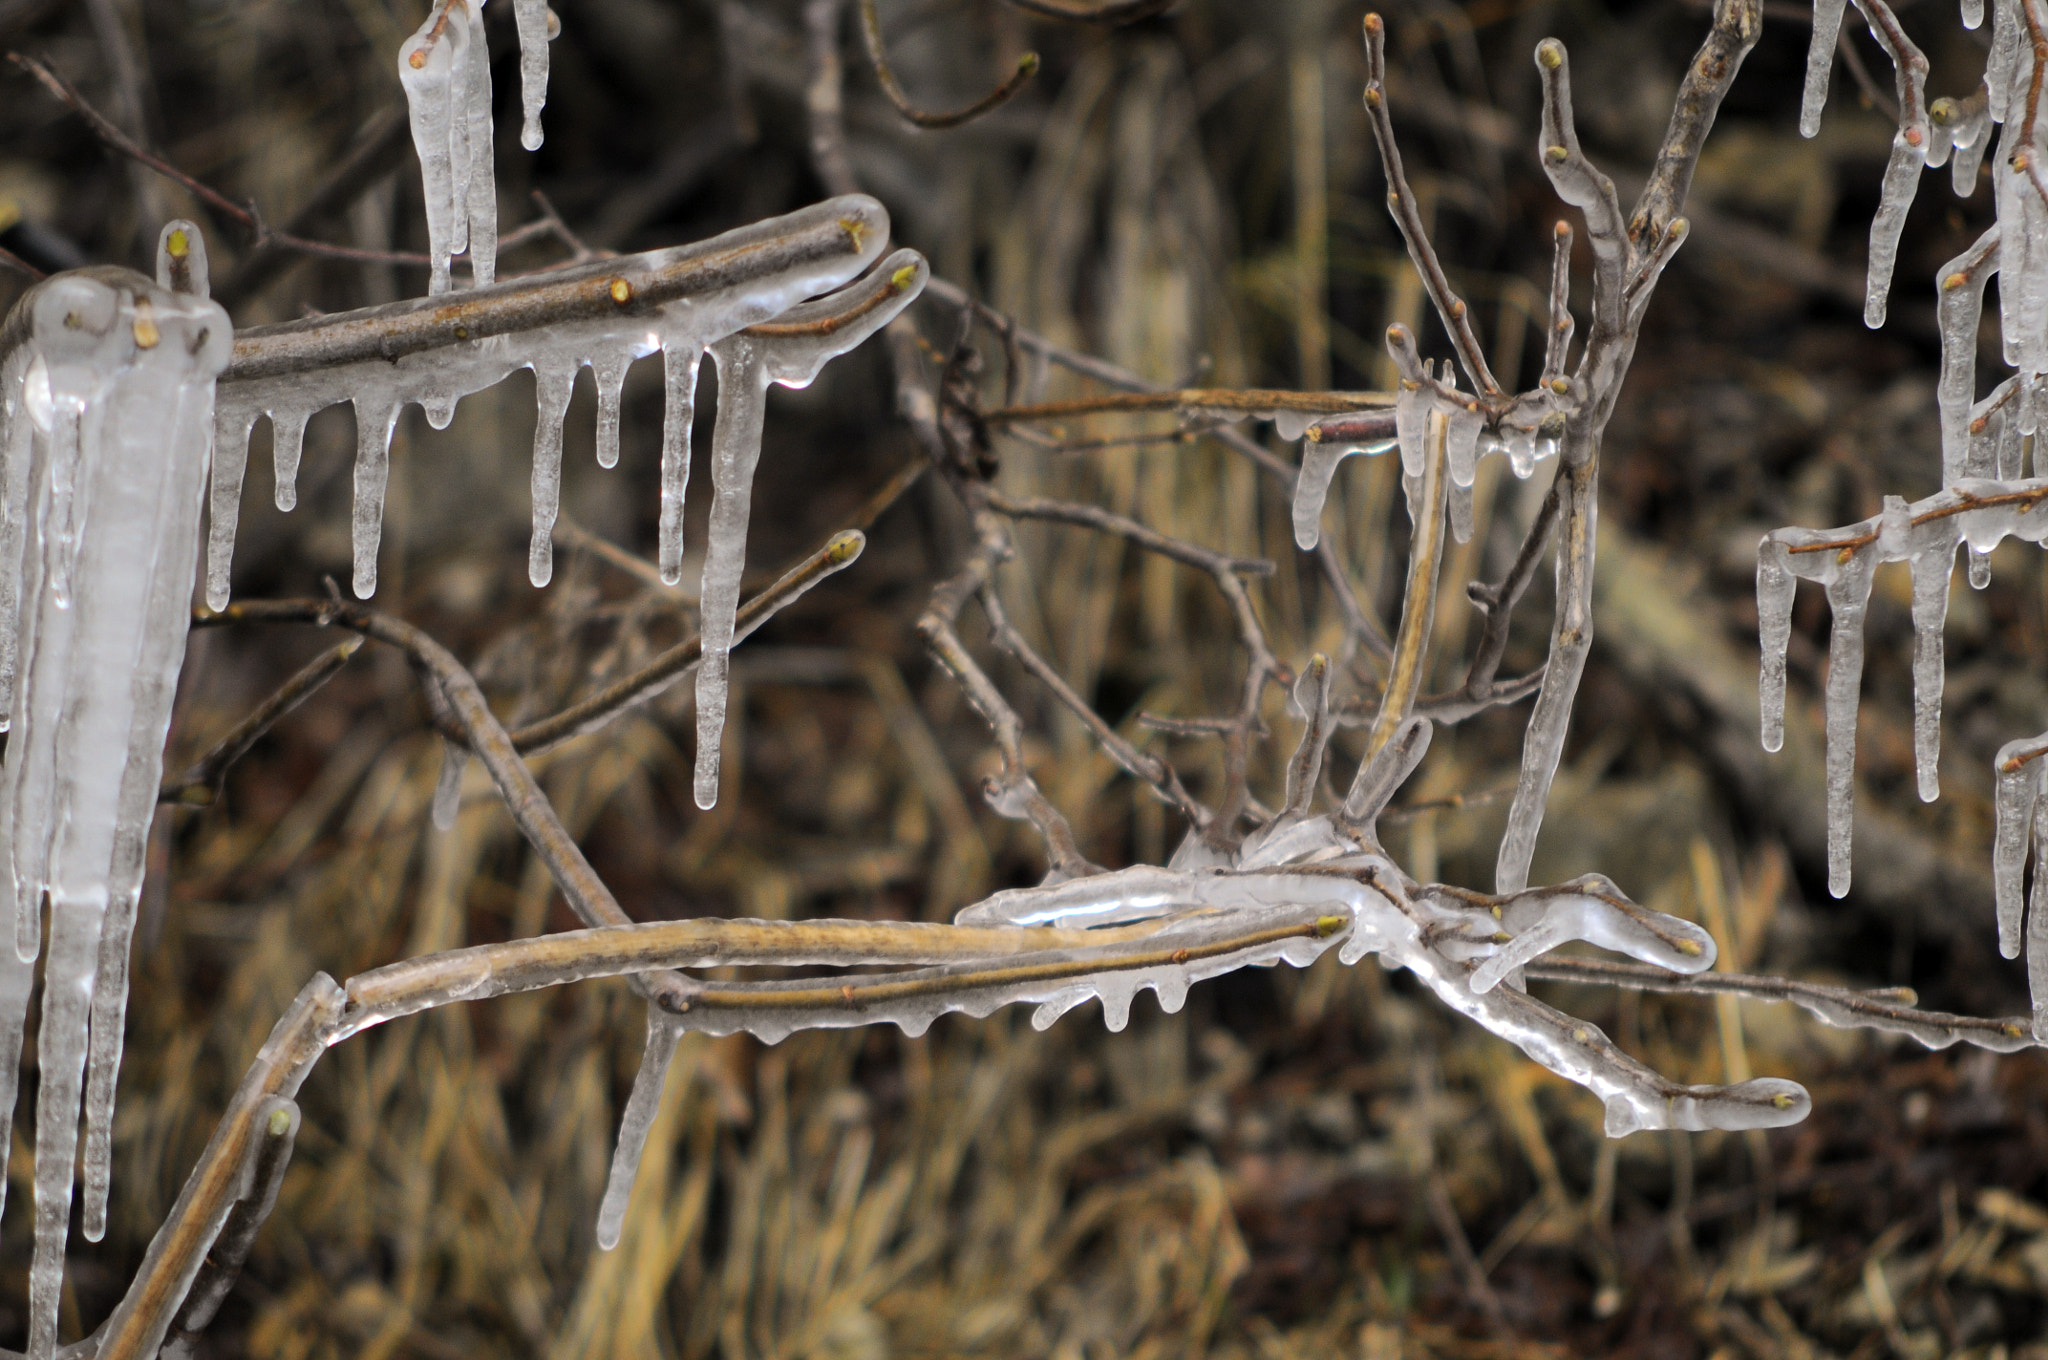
(114, 385)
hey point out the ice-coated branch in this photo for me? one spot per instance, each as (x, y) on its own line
(1959, 311)
(878, 57)
(1418, 594)
(1892, 1010)
(1736, 27)
(1571, 641)
(277, 1125)
(1581, 184)
(1012, 792)
(1456, 315)
(1104, 937)
(1557, 336)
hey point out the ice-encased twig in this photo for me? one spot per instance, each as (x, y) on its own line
(677, 300)
(1571, 640)
(1581, 184)
(790, 352)
(1820, 62)
(109, 396)
(1910, 147)
(1959, 286)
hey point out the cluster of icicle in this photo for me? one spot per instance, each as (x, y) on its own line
(1299, 886)
(1984, 443)
(1526, 430)
(106, 421)
(446, 70)
(682, 331)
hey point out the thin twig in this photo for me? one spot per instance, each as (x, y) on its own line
(588, 715)
(199, 785)
(1457, 317)
(878, 57)
(1252, 401)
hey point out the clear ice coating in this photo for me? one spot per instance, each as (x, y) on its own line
(445, 70)
(791, 352)
(435, 378)
(108, 424)
(1820, 63)
(1911, 146)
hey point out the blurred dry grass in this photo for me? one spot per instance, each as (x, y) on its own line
(1297, 1165)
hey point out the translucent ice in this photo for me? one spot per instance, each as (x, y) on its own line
(792, 352)
(109, 421)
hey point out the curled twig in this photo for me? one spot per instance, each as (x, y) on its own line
(878, 57)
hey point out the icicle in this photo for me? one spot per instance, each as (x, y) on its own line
(17, 979)
(1820, 61)
(1980, 569)
(1910, 148)
(1292, 425)
(1460, 512)
(791, 353)
(609, 369)
(551, 387)
(1932, 567)
(2037, 917)
(375, 421)
(230, 464)
(480, 198)
(1901, 182)
(2002, 65)
(641, 1107)
(679, 383)
(427, 65)
(1973, 14)
(448, 788)
(103, 1050)
(536, 29)
(1312, 485)
(60, 1062)
(1775, 590)
(2015, 791)
(287, 443)
(1462, 428)
(1960, 289)
(735, 452)
(1848, 597)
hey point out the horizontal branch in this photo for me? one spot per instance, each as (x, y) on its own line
(630, 285)
(1251, 401)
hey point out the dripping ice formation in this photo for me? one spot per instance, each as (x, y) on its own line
(1527, 430)
(108, 421)
(622, 325)
(790, 352)
(445, 70)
